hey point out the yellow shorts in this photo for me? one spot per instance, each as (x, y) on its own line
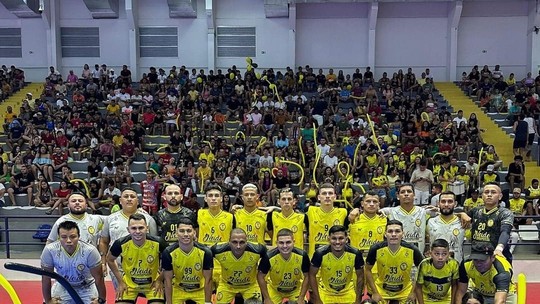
(131, 294)
(348, 297)
(226, 293)
(277, 297)
(180, 296)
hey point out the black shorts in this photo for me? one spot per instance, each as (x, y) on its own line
(519, 144)
(530, 140)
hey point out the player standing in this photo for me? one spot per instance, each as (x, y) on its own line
(78, 262)
(140, 255)
(336, 264)
(287, 273)
(187, 267)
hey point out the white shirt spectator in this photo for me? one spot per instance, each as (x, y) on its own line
(330, 161)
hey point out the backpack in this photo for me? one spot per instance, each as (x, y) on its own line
(42, 232)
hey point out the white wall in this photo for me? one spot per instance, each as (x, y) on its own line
(327, 35)
(272, 33)
(332, 36)
(192, 35)
(405, 39)
(113, 37)
(493, 34)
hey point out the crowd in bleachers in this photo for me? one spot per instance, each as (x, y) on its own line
(296, 128)
(11, 81)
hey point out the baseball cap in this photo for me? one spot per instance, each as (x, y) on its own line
(490, 168)
(481, 251)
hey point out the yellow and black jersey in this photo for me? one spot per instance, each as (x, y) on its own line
(286, 275)
(437, 283)
(214, 229)
(497, 279)
(253, 223)
(187, 267)
(336, 273)
(242, 271)
(394, 268)
(294, 222)
(486, 225)
(140, 263)
(167, 222)
(319, 222)
(367, 231)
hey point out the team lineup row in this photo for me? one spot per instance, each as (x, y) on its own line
(216, 248)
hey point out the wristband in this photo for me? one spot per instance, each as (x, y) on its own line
(499, 247)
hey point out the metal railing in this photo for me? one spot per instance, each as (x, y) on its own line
(6, 230)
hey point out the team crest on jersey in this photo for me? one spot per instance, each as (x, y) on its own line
(348, 269)
(219, 296)
(222, 227)
(455, 232)
(418, 223)
(294, 228)
(80, 267)
(258, 225)
(336, 222)
(403, 266)
(249, 269)
(150, 259)
(198, 266)
(490, 223)
(91, 230)
(296, 271)
(380, 230)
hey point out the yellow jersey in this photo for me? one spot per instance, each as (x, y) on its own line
(285, 276)
(187, 267)
(394, 280)
(366, 231)
(497, 279)
(240, 272)
(437, 283)
(516, 205)
(140, 263)
(336, 273)
(294, 222)
(253, 223)
(319, 222)
(469, 203)
(214, 228)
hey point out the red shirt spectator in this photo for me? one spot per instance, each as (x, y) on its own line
(148, 117)
(61, 140)
(59, 157)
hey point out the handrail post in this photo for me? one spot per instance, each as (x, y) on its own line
(6, 231)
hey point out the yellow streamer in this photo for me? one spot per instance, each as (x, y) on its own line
(240, 133)
(522, 289)
(261, 143)
(299, 167)
(317, 156)
(360, 186)
(85, 185)
(425, 117)
(373, 132)
(10, 290)
(479, 160)
(339, 165)
(208, 143)
(161, 147)
(301, 151)
(356, 154)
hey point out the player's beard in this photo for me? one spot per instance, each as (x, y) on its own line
(78, 212)
(447, 211)
(174, 202)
